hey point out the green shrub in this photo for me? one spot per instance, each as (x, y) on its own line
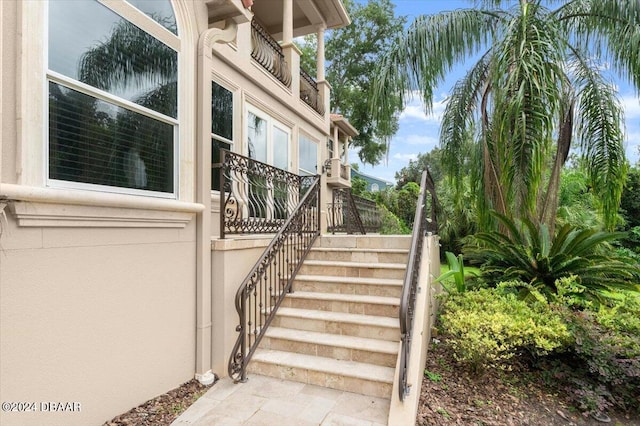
(601, 366)
(487, 327)
(391, 225)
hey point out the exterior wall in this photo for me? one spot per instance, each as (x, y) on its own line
(97, 290)
(231, 260)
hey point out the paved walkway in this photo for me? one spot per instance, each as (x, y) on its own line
(268, 401)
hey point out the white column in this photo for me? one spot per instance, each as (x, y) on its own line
(287, 21)
(320, 55)
(336, 145)
(346, 149)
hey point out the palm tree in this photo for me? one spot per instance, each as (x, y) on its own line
(537, 90)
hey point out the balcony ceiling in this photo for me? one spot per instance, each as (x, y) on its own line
(308, 15)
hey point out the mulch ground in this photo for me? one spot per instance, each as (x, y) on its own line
(162, 410)
(453, 396)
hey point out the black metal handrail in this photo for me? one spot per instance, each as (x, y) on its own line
(421, 225)
(268, 53)
(257, 198)
(369, 213)
(309, 92)
(343, 213)
(271, 278)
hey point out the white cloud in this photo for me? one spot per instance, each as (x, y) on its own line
(415, 111)
(405, 157)
(421, 140)
(631, 105)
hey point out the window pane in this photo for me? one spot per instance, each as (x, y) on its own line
(308, 161)
(257, 136)
(158, 10)
(221, 111)
(90, 43)
(280, 148)
(216, 145)
(93, 141)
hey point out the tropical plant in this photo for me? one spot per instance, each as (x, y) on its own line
(529, 254)
(538, 85)
(457, 272)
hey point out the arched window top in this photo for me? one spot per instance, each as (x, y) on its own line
(375, 187)
(160, 11)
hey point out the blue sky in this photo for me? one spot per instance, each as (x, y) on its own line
(419, 133)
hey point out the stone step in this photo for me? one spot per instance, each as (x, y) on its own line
(347, 303)
(346, 324)
(365, 241)
(353, 269)
(348, 348)
(348, 285)
(359, 255)
(350, 376)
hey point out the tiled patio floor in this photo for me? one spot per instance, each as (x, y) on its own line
(275, 402)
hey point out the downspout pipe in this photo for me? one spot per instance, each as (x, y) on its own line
(203, 196)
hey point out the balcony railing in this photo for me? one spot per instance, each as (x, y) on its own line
(268, 53)
(257, 198)
(352, 214)
(309, 92)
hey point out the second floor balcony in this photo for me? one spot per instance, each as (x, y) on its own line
(268, 41)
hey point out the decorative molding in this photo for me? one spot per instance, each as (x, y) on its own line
(46, 207)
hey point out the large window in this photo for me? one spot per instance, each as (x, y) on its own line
(308, 156)
(113, 109)
(267, 139)
(221, 127)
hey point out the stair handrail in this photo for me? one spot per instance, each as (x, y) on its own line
(421, 225)
(279, 262)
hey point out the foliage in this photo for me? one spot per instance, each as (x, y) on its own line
(407, 202)
(488, 327)
(577, 204)
(358, 186)
(391, 225)
(630, 202)
(431, 160)
(533, 90)
(352, 53)
(601, 366)
(528, 254)
(457, 271)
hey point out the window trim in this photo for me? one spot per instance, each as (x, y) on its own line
(138, 18)
(220, 81)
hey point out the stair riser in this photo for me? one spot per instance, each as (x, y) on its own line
(348, 271)
(327, 351)
(358, 256)
(346, 329)
(330, 380)
(340, 288)
(375, 242)
(342, 306)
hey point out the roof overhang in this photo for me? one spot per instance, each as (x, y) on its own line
(343, 124)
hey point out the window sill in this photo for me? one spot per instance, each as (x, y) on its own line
(47, 207)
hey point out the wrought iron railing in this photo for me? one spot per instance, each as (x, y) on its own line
(257, 198)
(369, 213)
(343, 215)
(421, 225)
(268, 53)
(309, 92)
(262, 292)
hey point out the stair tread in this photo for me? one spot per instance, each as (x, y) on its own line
(358, 249)
(350, 280)
(355, 369)
(341, 297)
(376, 265)
(337, 340)
(373, 320)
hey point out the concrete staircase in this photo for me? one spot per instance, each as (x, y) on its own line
(339, 328)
